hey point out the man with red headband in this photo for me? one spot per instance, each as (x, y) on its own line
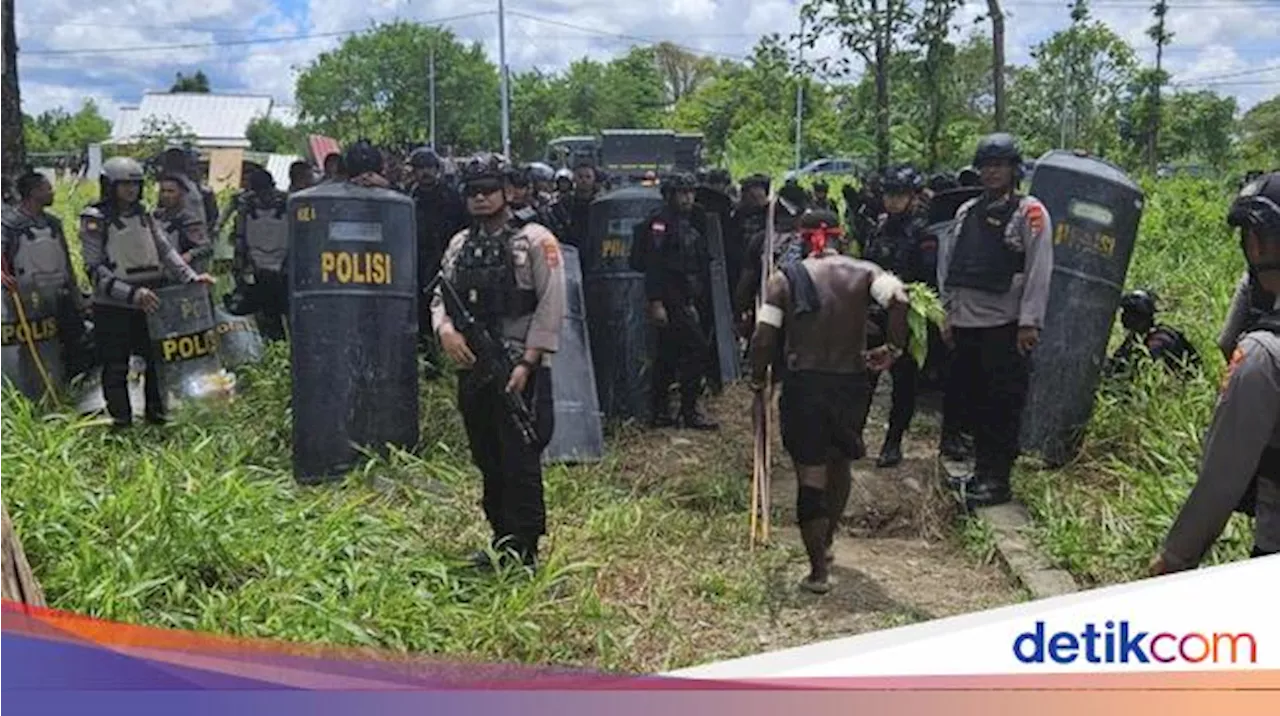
(815, 313)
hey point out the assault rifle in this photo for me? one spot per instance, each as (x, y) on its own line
(492, 361)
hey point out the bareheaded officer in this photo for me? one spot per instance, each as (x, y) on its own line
(511, 279)
(993, 274)
(126, 257)
(1240, 469)
(262, 251)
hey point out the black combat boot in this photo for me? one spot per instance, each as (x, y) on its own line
(891, 451)
(954, 448)
(986, 491)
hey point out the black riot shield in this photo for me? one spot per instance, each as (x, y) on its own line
(578, 436)
(721, 305)
(32, 349)
(615, 301)
(184, 343)
(1095, 209)
(353, 311)
(239, 342)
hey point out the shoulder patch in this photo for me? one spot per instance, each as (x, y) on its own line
(658, 227)
(1237, 359)
(1035, 216)
(551, 252)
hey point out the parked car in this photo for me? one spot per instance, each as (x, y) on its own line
(827, 166)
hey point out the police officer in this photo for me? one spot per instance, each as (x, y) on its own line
(520, 198)
(994, 270)
(181, 228)
(822, 201)
(261, 236)
(746, 221)
(440, 214)
(864, 210)
(1240, 469)
(36, 254)
(1248, 304)
(896, 247)
(126, 257)
(198, 200)
(300, 177)
(512, 279)
(543, 178)
(1159, 342)
(572, 211)
(672, 252)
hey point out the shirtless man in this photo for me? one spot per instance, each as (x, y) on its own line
(815, 310)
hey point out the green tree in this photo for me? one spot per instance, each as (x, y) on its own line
(1260, 135)
(190, 83)
(57, 131)
(1198, 128)
(682, 71)
(269, 135)
(375, 86)
(931, 34)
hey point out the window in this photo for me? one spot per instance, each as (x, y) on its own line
(1093, 213)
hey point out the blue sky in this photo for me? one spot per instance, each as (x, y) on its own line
(1218, 43)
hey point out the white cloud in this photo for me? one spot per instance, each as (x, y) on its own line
(1232, 35)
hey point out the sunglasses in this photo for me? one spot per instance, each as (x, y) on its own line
(482, 188)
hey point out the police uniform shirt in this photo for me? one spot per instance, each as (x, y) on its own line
(107, 288)
(1027, 299)
(15, 224)
(185, 231)
(1246, 421)
(193, 198)
(535, 255)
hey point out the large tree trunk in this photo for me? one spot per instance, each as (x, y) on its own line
(15, 152)
(997, 59)
(20, 584)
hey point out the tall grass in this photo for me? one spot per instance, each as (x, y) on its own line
(1106, 514)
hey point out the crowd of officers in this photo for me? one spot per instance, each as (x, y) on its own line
(828, 325)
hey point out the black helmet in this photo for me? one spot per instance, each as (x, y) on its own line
(760, 180)
(719, 176)
(820, 185)
(424, 158)
(680, 181)
(1258, 206)
(1140, 301)
(942, 181)
(485, 165)
(518, 175)
(362, 158)
(997, 146)
(540, 172)
(902, 179)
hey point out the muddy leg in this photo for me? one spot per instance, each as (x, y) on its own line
(811, 509)
(839, 484)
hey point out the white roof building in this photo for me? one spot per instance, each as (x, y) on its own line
(216, 120)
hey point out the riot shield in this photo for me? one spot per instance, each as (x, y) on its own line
(721, 305)
(578, 436)
(184, 340)
(32, 349)
(239, 342)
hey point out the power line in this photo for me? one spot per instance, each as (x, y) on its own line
(1228, 75)
(234, 43)
(633, 38)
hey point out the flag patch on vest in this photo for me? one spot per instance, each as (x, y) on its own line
(551, 250)
(1035, 217)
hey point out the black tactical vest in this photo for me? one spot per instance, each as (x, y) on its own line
(485, 278)
(891, 246)
(981, 259)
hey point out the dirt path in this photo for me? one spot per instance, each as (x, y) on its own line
(897, 557)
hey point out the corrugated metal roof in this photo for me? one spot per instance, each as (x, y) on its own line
(321, 147)
(218, 120)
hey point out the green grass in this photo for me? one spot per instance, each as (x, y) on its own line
(1105, 515)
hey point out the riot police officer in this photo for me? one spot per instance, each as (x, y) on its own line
(745, 222)
(1159, 342)
(36, 254)
(181, 227)
(865, 208)
(126, 257)
(261, 237)
(543, 178)
(439, 214)
(1240, 469)
(520, 197)
(896, 246)
(675, 259)
(572, 211)
(198, 199)
(511, 279)
(822, 201)
(993, 271)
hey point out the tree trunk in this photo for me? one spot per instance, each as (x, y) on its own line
(935, 107)
(15, 152)
(883, 39)
(997, 59)
(20, 584)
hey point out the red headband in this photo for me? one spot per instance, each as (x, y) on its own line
(817, 238)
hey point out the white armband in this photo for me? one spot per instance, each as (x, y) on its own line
(770, 316)
(887, 287)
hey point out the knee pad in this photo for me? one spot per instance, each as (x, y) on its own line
(810, 504)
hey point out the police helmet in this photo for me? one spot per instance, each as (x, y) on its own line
(565, 173)
(362, 158)
(901, 179)
(998, 146)
(1258, 206)
(485, 165)
(679, 181)
(540, 172)
(719, 176)
(424, 158)
(1137, 309)
(118, 169)
(518, 175)
(821, 185)
(760, 180)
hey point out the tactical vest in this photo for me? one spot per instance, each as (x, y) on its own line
(1269, 462)
(38, 256)
(266, 232)
(131, 249)
(1258, 306)
(524, 215)
(885, 249)
(485, 278)
(681, 249)
(981, 259)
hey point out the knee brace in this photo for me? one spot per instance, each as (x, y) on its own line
(811, 504)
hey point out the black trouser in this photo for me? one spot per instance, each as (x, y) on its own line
(271, 298)
(683, 354)
(988, 383)
(513, 502)
(120, 333)
(905, 375)
(75, 357)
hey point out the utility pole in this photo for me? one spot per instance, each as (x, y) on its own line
(1162, 38)
(502, 79)
(800, 98)
(431, 91)
(12, 147)
(997, 59)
